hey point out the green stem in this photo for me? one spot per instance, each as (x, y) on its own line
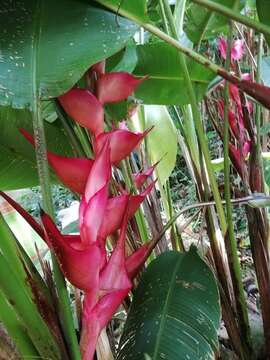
(69, 131)
(163, 16)
(198, 124)
(44, 178)
(233, 15)
(84, 141)
(176, 235)
(231, 245)
(127, 173)
(258, 106)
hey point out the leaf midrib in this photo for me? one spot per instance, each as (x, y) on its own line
(166, 305)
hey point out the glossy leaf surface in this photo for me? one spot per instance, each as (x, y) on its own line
(165, 85)
(73, 36)
(175, 311)
(161, 141)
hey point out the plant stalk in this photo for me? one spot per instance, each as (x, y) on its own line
(230, 240)
(233, 15)
(44, 179)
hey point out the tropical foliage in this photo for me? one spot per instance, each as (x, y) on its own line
(118, 102)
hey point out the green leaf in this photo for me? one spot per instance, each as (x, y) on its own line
(73, 35)
(132, 9)
(16, 330)
(17, 160)
(161, 141)
(165, 85)
(263, 9)
(125, 60)
(205, 24)
(175, 313)
(23, 296)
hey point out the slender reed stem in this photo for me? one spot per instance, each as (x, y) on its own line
(233, 15)
(198, 124)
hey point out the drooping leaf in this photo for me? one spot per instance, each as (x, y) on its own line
(73, 35)
(202, 23)
(17, 160)
(175, 312)
(161, 141)
(165, 84)
(263, 9)
(133, 9)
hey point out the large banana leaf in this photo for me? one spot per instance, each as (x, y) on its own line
(17, 160)
(165, 84)
(202, 23)
(131, 9)
(175, 312)
(67, 35)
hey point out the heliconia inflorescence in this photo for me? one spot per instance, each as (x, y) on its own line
(241, 147)
(105, 279)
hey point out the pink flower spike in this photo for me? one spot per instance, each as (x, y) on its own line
(89, 334)
(116, 86)
(116, 207)
(100, 173)
(135, 261)
(93, 217)
(140, 177)
(122, 143)
(246, 148)
(73, 172)
(79, 264)
(114, 275)
(109, 303)
(237, 51)
(222, 47)
(84, 108)
(114, 213)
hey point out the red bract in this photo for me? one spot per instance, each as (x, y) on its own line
(141, 177)
(98, 68)
(84, 108)
(116, 208)
(73, 172)
(122, 142)
(114, 287)
(235, 157)
(93, 206)
(232, 119)
(116, 86)
(106, 279)
(79, 263)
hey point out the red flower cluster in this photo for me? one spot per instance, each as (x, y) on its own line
(239, 151)
(105, 280)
